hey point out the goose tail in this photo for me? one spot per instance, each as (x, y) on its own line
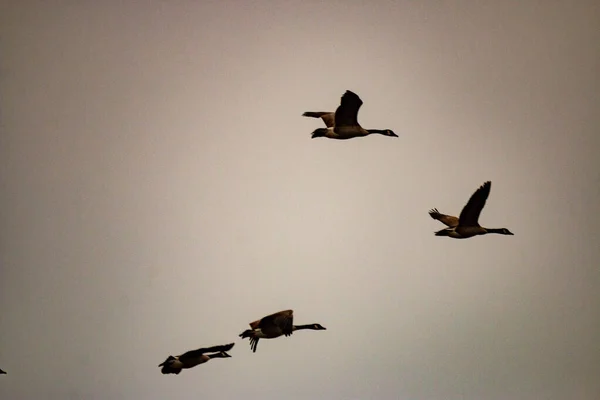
(167, 366)
(320, 132)
(443, 232)
(248, 333)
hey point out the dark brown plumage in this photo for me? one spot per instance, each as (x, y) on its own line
(467, 224)
(343, 124)
(174, 365)
(447, 220)
(273, 326)
(327, 116)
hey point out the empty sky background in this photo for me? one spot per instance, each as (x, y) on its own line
(160, 190)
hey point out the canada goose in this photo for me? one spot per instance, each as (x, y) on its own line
(467, 225)
(174, 365)
(2, 372)
(343, 124)
(273, 326)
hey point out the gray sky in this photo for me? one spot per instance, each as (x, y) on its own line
(160, 190)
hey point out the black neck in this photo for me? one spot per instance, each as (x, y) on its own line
(309, 326)
(495, 230)
(381, 131)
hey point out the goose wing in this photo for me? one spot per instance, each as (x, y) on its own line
(326, 116)
(282, 320)
(204, 350)
(447, 220)
(469, 216)
(347, 112)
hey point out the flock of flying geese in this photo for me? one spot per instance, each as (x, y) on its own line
(270, 327)
(341, 124)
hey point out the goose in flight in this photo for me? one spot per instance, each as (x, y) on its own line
(343, 124)
(467, 224)
(275, 325)
(174, 365)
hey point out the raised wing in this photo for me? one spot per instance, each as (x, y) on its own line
(447, 220)
(469, 216)
(347, 112)
(326, 116)
(283, 320)
(199, 352)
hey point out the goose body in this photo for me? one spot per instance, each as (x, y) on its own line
(190, 359)
(273, 326)
(343, 123)
(467, 224)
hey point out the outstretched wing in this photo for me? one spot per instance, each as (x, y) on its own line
(469, 216)
(326, 116)
(199, 352)
(347, 112)
(282, 320)
(447, 220)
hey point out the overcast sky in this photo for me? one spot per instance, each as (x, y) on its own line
(160, 190)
